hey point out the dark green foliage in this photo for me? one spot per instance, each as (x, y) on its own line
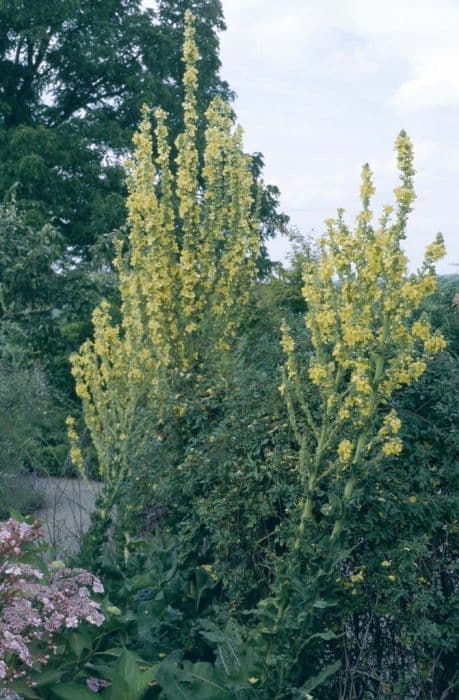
(378, 620)
(32, 434)
(200, 597)
(45, 298)
(225, 474)
(29, 285)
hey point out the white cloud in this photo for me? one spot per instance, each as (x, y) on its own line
(422, 34)
(436, 83)
(325, 85)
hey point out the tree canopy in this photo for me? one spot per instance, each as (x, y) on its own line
(73, 76)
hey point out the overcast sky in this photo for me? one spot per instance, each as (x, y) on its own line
(325, 85)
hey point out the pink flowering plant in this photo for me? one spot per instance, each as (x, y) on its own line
(39, 605)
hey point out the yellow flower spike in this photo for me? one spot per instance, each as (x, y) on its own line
(188, 267)
(366, 343)
(367, 189)
(436, 250)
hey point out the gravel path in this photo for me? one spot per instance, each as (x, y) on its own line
(66, 511)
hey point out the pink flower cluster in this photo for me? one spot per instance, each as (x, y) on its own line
(37, 602)
(14, 534)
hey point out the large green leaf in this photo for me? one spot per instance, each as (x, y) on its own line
(72, 691)
(199, 680)
(321, 677)
(129, 680)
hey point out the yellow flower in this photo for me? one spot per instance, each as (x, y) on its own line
(361, 383)
(326, 320)
(435, 344)
(317, 374)
(357, 578)
(75, 455)
(57, 564)
(287, 342)
(345, 450)
(392, 447)
(436, 250)
(385, 563)
(113, 610)
(417, 368)
(344, 413)
(421, 330)
(391, 424)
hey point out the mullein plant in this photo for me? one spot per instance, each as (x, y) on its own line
(184, 281)
(368, 340)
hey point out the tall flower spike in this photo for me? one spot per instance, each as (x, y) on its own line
(404, 194)
(362, 306)
(183, 281)
(187, 182)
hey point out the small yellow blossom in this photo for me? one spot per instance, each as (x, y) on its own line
(417, 369)
(436, 250)
(75, 455)
(287, 342)
(435, 344)
(361, 383)
(317, 374)
(345, 449)
(391, 424)
(421, 330)
(357, 578)
(113, 610)
(392, 447)
(57, 564)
